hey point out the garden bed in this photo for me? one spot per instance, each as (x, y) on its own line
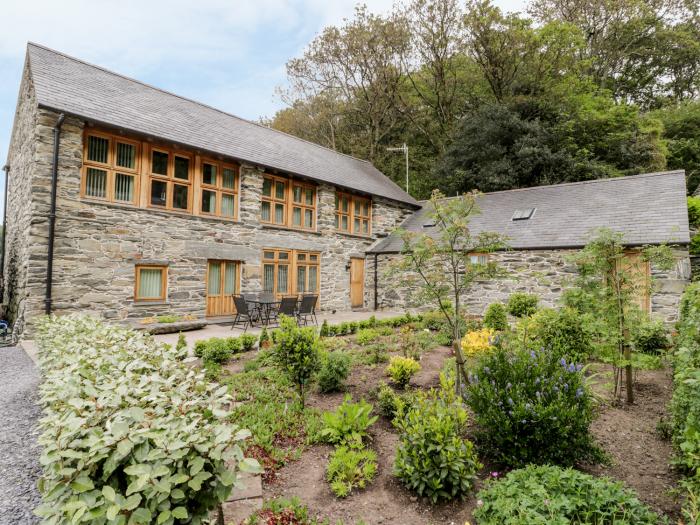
(170, 328)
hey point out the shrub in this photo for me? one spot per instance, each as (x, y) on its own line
(376, 354)
(247, 342)
(348, 424)
(335, 369)
(496, 317)
(432, 458)
(264, 340)
(199, 347)
(651, 337)
(220, 350)
(531, 407)
(478, 342)
(366, 336)
(296, 354)
(167, 318)
(324, 332)
(522, 304)
(434, 320)
(694, 211)
(391, 402)
(563, 332)
(548, 494)
(402, 369)
(349, 468)
(111, 439)
(181, 342)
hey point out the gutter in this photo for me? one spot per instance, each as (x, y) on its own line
(6, 169)
(52, 212)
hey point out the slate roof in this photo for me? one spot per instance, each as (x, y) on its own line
(648, 209)
(77, 88)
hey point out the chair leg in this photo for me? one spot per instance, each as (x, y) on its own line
(235, 321)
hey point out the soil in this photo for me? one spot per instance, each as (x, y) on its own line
(638, 455)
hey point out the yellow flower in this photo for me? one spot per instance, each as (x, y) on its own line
(477, 341)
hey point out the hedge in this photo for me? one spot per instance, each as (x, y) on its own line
(351, 327)
(129, 434)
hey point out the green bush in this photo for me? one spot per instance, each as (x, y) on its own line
(366, 336)
(324, 331)
(522, 304)
(694, 211)
(561, 331)
(376, 354)
(335, 369)
(433, 320)
(296, 354)
(199, 347)
(391, 402)
(219, 350)
(531, 407)
(432, 458)
(651, 337)
(496, 317)
(350, 468)
(248, 342)
(347, 425)
(553, 495)
(264, 339)
(129, 432)
(168, 318)
(402, 369)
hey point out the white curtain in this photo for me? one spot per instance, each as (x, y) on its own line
(96, 183)
(230, 278)
(282, 273)
(150, 283)
(228, 205)
(214, 287)
(268, 278)
(124, 187)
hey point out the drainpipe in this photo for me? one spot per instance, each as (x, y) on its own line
(52, 212)
(6, 169)
(376, 300)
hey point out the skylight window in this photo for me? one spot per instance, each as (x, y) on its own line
(429, 225)
(523, 214)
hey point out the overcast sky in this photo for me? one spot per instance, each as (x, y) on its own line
(227, 53)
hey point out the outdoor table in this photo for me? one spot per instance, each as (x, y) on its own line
(264, 307)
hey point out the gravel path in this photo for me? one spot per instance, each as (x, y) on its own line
(19, 452)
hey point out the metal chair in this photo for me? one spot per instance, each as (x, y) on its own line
(243, 313)
(307, 309)
(287, 306)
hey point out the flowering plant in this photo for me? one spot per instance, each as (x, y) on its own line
(477, 342)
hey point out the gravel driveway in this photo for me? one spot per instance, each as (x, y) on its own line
(19, 452)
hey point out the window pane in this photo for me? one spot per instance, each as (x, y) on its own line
(126, 155)
(309, 196)
(297, 194)
(214, 284)
(208, 201)
(228, 205)
(279, 190)
(296, 216)
(159, 163)
(301, 279)
(180, 196)
(313, 257)
(282, 273)
(98, 149)
(337, 202)
(182, 168)
(267, 187)
(357, 225)
(279, 213)
(230, 278)
(269, 255)
(301, 257)
(158, 192)
(337, 220)
(284, 255)
(265, 211)
(268, 278)
(344, 223)
(123, 187)
(96, 183)
(209, 174)
(308, 218)
(365, 226)
(229, 179)
(365, 209)
(346, 204)
(150, 283)
(313, 277)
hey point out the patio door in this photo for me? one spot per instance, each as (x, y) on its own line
(357, 282)
(223, 279)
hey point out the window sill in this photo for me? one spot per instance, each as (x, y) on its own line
(355, 235)
(151, 303)
(160, 211)
(288, 228)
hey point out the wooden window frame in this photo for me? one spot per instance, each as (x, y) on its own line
(164, 282)
(479, 254)
(354, 212)
(293, 264)
(218, 187)
(237, 284)
(169, 179)
(288, 202)
(110, 167)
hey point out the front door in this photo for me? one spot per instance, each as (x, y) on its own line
(357, 282)
(222, 283)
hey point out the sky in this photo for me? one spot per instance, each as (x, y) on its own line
(230, 54)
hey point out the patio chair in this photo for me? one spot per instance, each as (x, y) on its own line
(244, 315)
(307, 309)
(287, 306)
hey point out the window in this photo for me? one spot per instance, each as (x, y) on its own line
(170, 179)
(353, 214)
(288, 202)
(290, 272)
(219, 189)
(110, 168)
(151, 283)
(479, 258)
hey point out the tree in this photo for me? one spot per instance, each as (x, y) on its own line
(438, 265)
(611, 286)
(682, 134)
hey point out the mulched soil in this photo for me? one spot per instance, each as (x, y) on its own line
(638, 456)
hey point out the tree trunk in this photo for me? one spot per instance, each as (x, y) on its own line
(629, 377)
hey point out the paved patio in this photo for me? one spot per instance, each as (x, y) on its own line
(224, 330)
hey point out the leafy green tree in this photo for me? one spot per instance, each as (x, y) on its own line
(682, 134)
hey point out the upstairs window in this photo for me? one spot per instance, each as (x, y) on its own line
(287, 202)
(353, 214)
(219, 189)
(110, 168)
(170, 180)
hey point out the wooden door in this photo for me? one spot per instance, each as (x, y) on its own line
(357, 282)
(222, 283)
(639, 273)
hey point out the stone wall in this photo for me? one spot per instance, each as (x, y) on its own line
(97, 245)
(545, 273)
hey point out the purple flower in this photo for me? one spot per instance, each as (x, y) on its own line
(510, 401)
(579, 392)
(566, 386)
(533, 354)
(562, 362)
(537, 381)
(487, 370)
(579, 367)
(556, 388)
(572, 367)
(528, 406)
(494, 474)
(509, 386)
(538, 394)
